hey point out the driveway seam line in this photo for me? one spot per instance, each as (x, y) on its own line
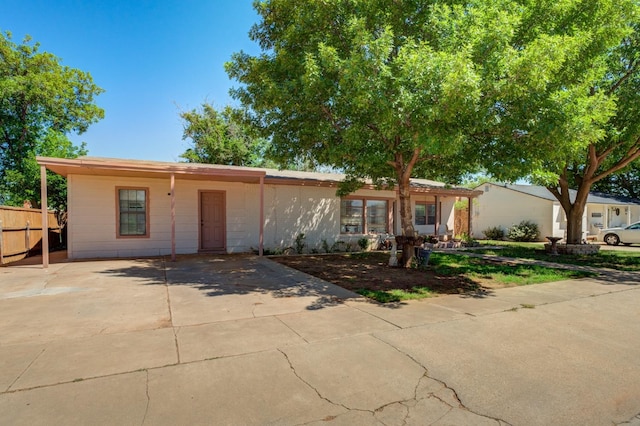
(26, 369)
(166, 286)
(289, 327)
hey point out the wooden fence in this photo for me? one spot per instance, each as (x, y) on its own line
(21, 233)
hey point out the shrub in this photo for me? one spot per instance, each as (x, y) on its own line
(494, 233)
(363, 243)
(339, 246)
(300, 244)
(524, 231)
(325, 246)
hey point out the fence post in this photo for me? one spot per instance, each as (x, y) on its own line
(1, 246)
(26, 239)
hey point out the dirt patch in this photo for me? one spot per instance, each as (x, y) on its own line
(372, 272)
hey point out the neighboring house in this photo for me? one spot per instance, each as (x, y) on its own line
(504, 205)
(123, 208)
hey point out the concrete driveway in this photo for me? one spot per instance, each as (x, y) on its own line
(242, 340)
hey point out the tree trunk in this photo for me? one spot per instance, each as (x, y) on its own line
(406, 221)
(574, 220)
(574, 211)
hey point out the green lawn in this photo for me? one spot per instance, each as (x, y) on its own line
(509, 275)
(620, 260)
(479, 271)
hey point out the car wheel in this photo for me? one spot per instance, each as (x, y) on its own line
(612, 239)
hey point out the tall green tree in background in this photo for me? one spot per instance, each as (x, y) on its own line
(624, 184)
(41, 101)
(568, 109)
(222, 137)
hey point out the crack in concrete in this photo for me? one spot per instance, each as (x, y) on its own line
(635, 420)
(444, 384)
(146, 409)
(293, 369)
(25, 369)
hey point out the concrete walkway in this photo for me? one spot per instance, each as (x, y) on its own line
(243, 340)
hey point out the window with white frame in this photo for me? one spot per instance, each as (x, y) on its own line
(361, 215)
(133, 212)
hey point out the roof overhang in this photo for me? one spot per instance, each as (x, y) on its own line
(98, 166)
(149, 169)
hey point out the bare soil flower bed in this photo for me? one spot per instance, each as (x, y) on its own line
(370, 271)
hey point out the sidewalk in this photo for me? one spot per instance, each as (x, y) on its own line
(243, 340)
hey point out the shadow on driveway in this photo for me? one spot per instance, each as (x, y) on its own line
(223, 275)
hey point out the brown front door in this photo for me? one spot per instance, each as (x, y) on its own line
(212, 220)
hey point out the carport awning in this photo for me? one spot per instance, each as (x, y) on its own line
(153, 169)
(149, 169)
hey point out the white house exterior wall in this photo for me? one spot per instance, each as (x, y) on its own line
(503, 207)
(92, 216)
(289, 210)
(293, 210)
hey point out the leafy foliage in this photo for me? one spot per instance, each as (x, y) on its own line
(221, 137)
(380, 89)
(625, 183)
(41, 101)
(565, 106)
(494, 233)
(524, 231)
(24, 183)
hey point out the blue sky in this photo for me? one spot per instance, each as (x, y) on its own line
(153, 58)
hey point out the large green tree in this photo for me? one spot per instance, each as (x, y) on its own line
(390, 89)
(41, 101)
(222, 137)
(567, 109)
(381, 89)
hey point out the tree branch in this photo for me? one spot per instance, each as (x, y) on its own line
(633, 153)
(632, 68)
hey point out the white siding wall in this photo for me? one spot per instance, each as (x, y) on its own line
(504, 207)
(294, 210)
(289, 211)
(92, 216)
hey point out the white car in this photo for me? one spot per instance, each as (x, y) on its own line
(615, 236)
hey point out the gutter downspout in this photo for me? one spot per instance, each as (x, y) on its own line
(45, 217)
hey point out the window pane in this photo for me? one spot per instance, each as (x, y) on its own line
(351, 216)
(431, 214)
(421, 214)
(377, 216)
(133, 211)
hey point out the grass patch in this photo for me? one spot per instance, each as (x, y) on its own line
(619, 260)
(396, 295)
(509, 275)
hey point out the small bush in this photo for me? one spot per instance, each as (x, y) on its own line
(339, 246)
(325, 246)
(363, 243)
(300, 244)
(524, 231)
(494, 233)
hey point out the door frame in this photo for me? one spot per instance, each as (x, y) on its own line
(224, 218)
